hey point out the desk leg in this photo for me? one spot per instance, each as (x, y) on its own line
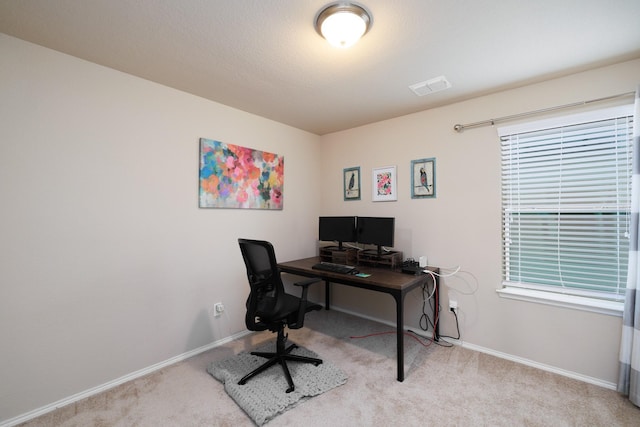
(400, 335)
(327, 295)
(436, 302)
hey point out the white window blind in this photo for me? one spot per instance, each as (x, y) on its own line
(566, 195)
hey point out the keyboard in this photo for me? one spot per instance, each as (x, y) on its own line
(334, 268)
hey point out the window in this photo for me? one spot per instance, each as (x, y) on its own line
(566, 196)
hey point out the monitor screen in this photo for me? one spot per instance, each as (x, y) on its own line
(375, 230)
(337, 229)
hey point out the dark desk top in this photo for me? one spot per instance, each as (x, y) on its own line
(382, 279)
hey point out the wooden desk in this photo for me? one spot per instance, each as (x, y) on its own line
(387, 281)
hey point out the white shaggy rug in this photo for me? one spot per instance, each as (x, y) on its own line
(264, 396)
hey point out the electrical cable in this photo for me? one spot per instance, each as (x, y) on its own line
(431, 298)
(474, 288)
(425, 321)
(457, 328)
(459, 273)
(432, 341)
(407, 333)
(457, 269)
(424, 318)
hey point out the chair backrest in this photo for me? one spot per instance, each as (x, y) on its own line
(267, 289)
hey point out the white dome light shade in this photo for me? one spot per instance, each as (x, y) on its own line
(343, 24)
(343, 29)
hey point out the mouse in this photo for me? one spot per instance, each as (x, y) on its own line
(354, 272)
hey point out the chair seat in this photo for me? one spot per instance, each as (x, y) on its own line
(286, 306)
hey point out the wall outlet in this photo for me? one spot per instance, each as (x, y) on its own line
(218, 309)
(453, 305)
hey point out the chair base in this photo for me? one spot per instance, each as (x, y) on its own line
(281, 356)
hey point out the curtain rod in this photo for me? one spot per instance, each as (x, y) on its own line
(459, 128)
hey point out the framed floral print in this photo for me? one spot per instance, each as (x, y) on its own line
(384, 184)
(351, 178)
(423, 178)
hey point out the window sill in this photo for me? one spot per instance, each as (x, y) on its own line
(611, 308)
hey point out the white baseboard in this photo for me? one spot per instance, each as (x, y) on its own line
(527, 362)
(142, 372)
(111, 384)
(548, 368)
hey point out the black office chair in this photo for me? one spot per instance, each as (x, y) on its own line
(269, 307)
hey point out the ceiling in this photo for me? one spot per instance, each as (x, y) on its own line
(264, 56)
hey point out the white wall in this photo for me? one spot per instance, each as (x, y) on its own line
(107, 265)
(462, 225)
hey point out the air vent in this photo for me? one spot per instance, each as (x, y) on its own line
(430, 86)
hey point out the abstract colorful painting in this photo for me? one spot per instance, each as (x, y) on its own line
(238, 177)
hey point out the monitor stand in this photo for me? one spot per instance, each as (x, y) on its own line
(377, 251)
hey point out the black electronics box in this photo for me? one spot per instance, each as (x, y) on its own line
(413, 270)
(411, 267)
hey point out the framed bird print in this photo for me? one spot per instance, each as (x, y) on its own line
(351, 183)
(423, 178)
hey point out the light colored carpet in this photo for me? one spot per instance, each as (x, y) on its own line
(264, 396)
(443, 387)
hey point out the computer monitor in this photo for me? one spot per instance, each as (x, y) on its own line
(337, 229)
(375, 231)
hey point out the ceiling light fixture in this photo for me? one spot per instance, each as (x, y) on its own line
(343, 23)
